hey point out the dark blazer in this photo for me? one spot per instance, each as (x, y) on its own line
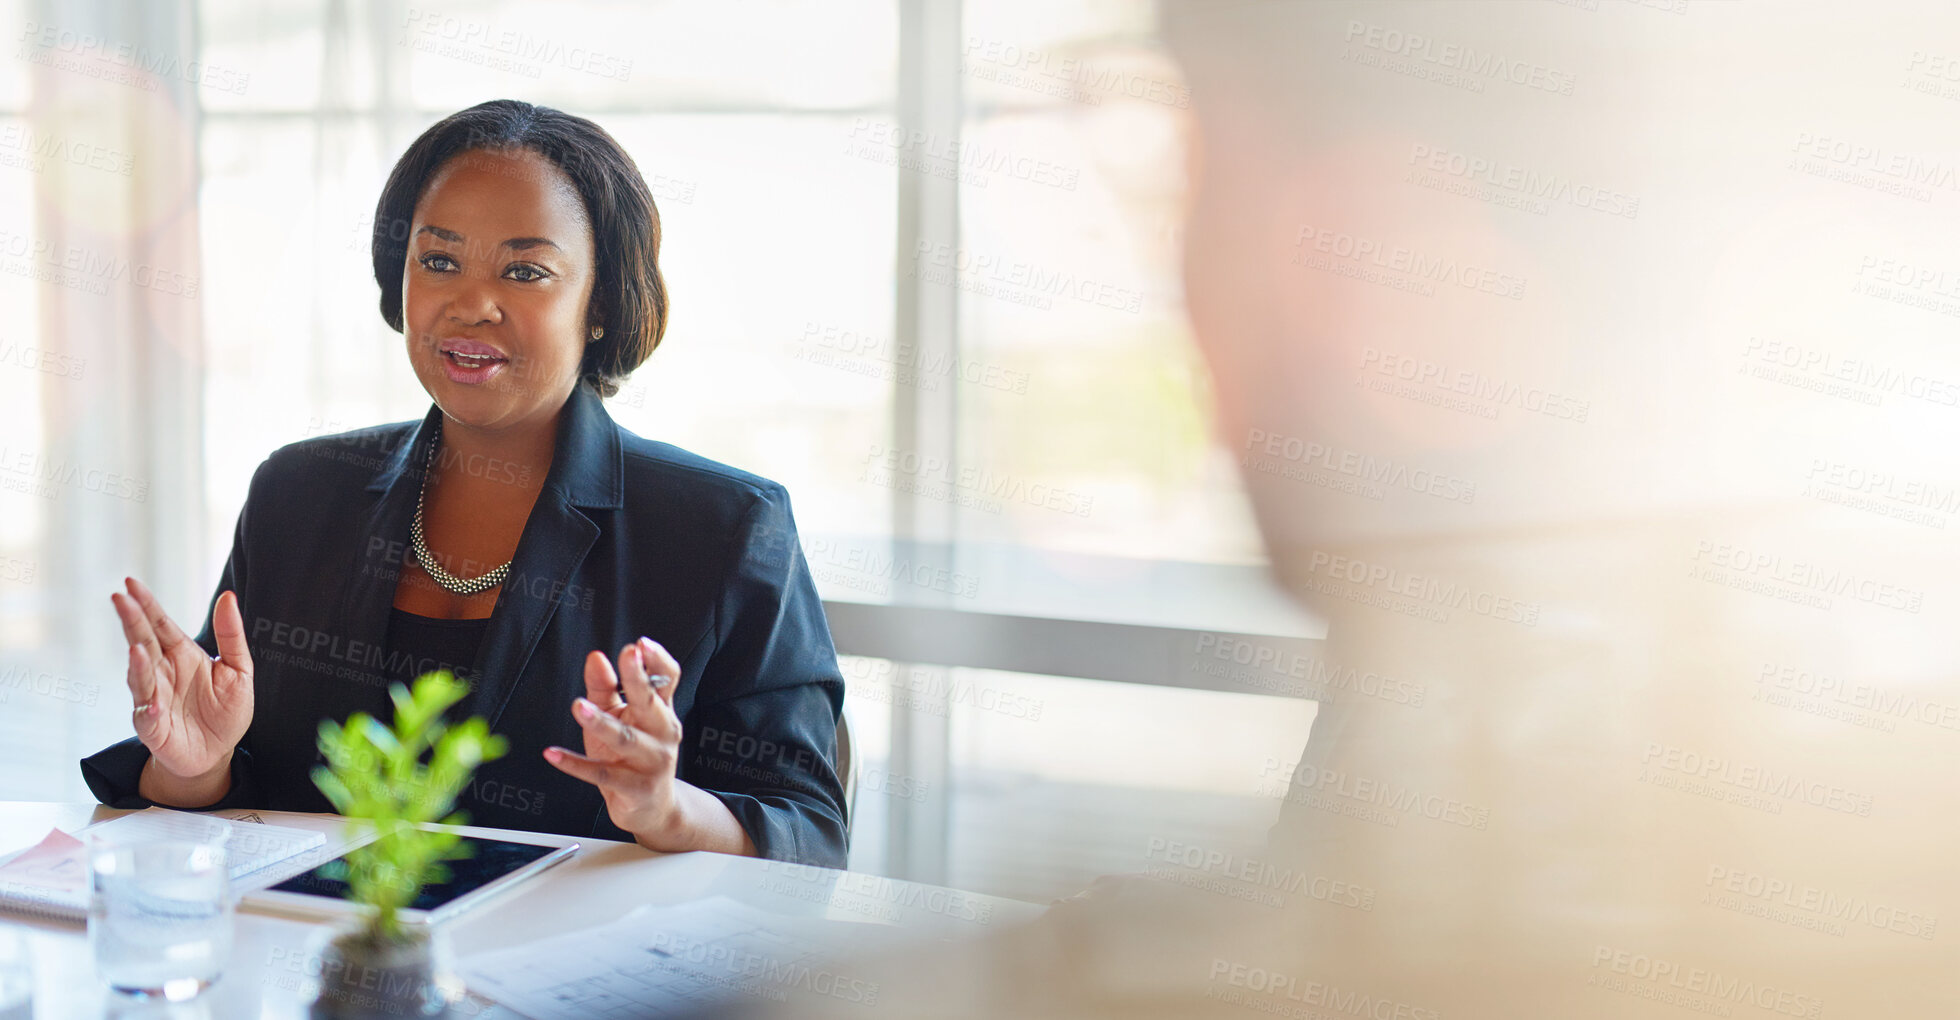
(629, 537)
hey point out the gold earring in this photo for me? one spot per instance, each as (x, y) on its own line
(598, 331)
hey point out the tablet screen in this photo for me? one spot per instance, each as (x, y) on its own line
(489, 860)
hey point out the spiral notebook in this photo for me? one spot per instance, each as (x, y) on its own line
(50, 878)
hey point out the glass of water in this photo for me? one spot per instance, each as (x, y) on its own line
(160, 916)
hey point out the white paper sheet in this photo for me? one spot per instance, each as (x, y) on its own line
(661, 959)
(336, 838)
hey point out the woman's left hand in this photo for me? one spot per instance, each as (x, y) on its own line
(632, 744)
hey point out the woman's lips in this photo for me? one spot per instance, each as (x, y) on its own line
(470, 370)
(469, 361)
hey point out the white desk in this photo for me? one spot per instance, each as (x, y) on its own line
(604, 881)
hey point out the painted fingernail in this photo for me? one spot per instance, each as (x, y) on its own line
(586, 710)
(552, 754)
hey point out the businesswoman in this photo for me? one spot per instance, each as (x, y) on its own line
(638, 621)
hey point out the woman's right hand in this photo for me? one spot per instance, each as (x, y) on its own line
(191, 709)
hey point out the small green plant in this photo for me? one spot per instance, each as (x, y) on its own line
(378, 775)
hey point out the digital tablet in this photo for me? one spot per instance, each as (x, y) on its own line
(494, 865)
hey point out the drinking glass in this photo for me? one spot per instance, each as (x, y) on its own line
(160, 916)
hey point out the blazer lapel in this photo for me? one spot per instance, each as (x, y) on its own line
(586, 472)
(554, 544)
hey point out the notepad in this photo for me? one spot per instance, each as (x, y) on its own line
(50, 878)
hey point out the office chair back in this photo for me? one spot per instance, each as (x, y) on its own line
(847, 767)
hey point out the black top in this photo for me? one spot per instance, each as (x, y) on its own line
(424, 644)
(628, 537)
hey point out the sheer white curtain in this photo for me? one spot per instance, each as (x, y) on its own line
(102, 362)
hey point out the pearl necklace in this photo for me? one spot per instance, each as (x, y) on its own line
(448, 581)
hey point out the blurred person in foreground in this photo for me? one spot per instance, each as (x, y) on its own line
(1561, 280)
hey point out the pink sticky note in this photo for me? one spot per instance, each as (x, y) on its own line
(56, 862)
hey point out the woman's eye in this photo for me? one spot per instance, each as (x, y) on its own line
(534, 273)
(437, 262)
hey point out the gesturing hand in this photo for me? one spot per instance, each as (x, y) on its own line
(632, 744)
(191, 709)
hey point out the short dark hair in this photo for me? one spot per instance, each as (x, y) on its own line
(629, 296)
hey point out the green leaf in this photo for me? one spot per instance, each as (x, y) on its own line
(380, 736)
(332, 786)
(408, 714)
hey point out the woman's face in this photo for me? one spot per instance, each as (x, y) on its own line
(495, 288)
